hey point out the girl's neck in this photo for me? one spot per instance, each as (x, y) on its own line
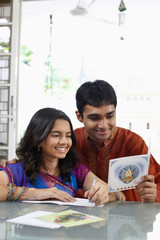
(50, 167)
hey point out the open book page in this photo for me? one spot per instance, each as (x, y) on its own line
(67, 218)
(79, 202)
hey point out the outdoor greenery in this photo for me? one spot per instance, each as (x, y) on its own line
(4, 46)
(56, 82)
(26, 55)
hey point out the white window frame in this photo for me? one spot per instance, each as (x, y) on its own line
(13, 83)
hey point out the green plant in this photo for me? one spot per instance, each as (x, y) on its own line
(56, 82)
(4, 46)
(26, 55)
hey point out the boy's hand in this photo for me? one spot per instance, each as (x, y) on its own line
(147, 189)
(4, 162)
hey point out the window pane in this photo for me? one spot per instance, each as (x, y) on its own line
(5, 32)
(5, 11)
(3, 131)
(4, 69)
(4, 100)
(3, 154)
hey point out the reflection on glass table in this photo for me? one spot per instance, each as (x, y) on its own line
(122, 220)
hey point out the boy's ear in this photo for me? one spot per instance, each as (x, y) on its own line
(79, 116)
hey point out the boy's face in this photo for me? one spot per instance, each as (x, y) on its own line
(98, 121)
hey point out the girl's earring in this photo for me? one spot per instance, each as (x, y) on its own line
(39, 148)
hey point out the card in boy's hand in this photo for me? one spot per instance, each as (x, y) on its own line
(125, 173)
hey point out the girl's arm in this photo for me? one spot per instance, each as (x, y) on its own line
(98, 192)
(10, 191)
(21, 193)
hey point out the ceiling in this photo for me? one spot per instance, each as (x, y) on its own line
(97, 5)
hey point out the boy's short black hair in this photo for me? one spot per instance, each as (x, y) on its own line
(97, 93)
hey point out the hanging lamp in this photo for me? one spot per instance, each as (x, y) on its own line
(121, 9)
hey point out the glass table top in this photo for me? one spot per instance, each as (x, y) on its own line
(122, 220)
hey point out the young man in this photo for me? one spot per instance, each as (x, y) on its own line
(101, 140)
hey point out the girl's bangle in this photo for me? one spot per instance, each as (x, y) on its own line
(21, 193)
(11, 192)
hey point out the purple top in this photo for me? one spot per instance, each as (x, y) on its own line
(17, 176)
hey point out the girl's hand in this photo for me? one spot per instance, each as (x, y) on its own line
(41, 194)
(98, 194)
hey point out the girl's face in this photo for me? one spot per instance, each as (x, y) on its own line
(58, 142)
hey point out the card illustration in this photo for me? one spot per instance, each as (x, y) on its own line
(125, 173)
(69, 218)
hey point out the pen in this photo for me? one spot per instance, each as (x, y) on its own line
(94, 181)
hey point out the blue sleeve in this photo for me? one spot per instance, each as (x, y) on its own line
(16, 174)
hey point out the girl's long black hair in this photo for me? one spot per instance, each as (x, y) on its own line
(37, 131)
